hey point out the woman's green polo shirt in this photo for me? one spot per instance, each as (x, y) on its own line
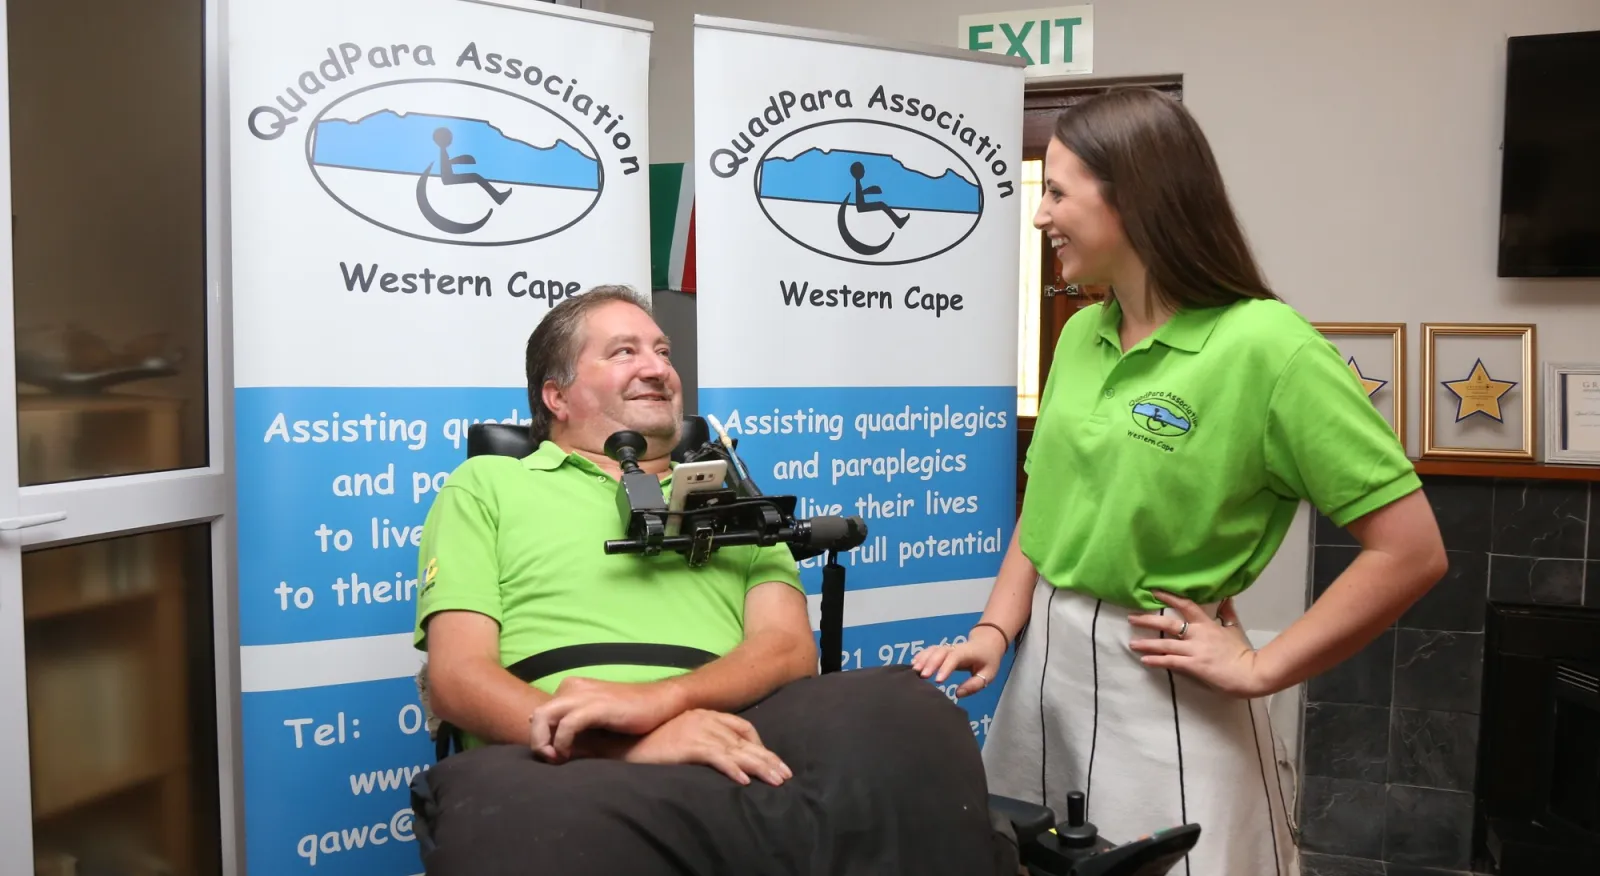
(1180, 465)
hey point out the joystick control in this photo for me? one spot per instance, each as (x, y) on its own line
(1074, 847)
(625, 448)
(642, 507)
(1077, 832)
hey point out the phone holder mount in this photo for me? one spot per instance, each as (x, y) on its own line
(736, 515)
(713, 519)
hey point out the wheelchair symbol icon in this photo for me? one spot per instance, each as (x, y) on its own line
(447, 174)
(862, 205)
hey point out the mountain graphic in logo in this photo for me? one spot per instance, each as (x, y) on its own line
(392, 143)
(869, 192)
(454, 162)
(828, 177)
(1157, 420)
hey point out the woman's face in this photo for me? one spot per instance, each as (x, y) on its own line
(1085, 232)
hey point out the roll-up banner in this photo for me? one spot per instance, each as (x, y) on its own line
(414, 184)
(858, 245)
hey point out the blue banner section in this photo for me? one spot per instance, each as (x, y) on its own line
(334, 485)
(894, 643)
(930, 469)
(327, 773)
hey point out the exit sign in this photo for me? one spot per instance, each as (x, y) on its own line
(1052, 42)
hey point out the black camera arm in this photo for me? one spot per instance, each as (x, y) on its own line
(728, 517)
(740, 515)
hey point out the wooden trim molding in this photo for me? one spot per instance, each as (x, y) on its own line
(1041, 104)
(1521, 471)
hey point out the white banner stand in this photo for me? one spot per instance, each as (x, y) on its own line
(384, 290)
(858, 255)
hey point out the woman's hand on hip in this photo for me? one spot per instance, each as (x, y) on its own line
(1217, 653)
(980, 655)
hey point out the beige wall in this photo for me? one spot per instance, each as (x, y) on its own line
(1360, 141)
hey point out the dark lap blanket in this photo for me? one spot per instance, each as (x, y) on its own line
(887, 780)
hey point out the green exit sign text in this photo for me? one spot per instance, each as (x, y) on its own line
(1052, 42)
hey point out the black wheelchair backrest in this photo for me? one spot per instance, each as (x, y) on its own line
(498, 439)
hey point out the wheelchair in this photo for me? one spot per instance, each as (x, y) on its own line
(1045, 845)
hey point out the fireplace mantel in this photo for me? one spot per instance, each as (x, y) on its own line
(1525, 471)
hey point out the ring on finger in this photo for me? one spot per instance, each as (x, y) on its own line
(1183, 630)
(984, 677)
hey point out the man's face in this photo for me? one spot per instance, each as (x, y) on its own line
(624, 379)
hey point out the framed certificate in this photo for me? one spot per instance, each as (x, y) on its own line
(1478, 391)
(1375, 353)
(1572, 412)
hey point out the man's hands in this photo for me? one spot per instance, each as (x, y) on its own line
(646, 723)
(583, 704)
(726, 743)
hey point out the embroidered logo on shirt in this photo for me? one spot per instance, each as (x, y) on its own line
(1163, 414)
(430, 574)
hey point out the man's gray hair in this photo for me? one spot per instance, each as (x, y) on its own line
(554, 345)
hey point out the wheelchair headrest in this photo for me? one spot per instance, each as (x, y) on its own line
(508, 439)
(499, 439)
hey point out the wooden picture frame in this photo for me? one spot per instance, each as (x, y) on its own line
(1376, 353)
(1480, 389)
(1561, 445)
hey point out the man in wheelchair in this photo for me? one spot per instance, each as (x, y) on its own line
(627, 714)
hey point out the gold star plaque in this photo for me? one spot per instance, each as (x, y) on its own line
(1371, 385)
(1479, 393)
(1360, 344)
(1504, 398)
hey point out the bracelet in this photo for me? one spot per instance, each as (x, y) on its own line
(996, 628)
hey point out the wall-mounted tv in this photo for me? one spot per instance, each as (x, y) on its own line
(1550, 164)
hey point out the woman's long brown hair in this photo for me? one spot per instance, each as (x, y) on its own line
(1157, 171)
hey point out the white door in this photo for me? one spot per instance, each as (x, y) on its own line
(117, 657)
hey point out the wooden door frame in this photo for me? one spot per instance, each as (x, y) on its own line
(1041, 103)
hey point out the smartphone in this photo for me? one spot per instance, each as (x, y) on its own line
(688, 479)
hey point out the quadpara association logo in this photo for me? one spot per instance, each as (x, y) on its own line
(1163, 415)
(453, 160)
(867, 189)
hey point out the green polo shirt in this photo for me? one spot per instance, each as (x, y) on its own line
(1179, 465)
(522, 541)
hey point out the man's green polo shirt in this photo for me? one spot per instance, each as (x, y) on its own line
(1180, 465)
(522, 541)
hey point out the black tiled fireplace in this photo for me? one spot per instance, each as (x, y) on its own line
(1406, 758)
(1538, 798)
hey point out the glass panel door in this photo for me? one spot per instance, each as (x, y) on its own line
(121, 705)
(108, 237)
(116, 645)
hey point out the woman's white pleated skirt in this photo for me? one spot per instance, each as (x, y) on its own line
(1149, 748)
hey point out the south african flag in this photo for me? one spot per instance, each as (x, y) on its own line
(672, 227)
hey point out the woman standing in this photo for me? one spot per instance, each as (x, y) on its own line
(1183, 421)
